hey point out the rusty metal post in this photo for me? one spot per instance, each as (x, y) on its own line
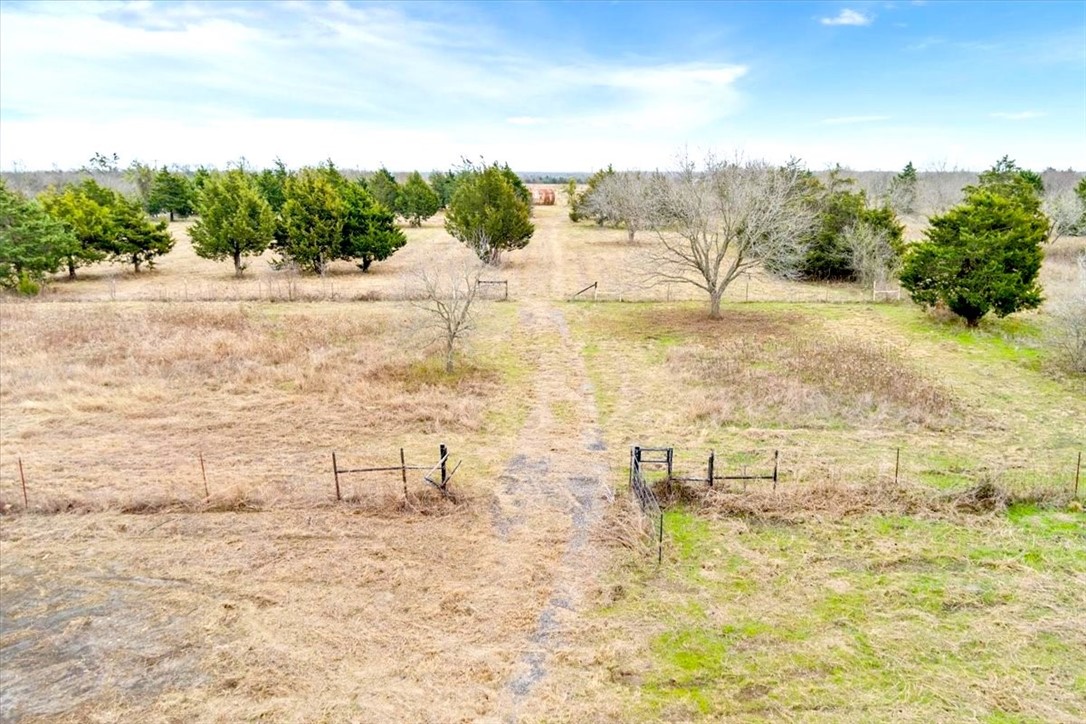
(403, 471)
(26, 504)
(776, 468)
(712, 461)
(335, 472)
(203, 474)
(444, 453)
(1078, 469)
(660, 541)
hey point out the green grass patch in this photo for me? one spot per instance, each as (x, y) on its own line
(866, 618)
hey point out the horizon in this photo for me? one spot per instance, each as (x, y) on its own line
(544, 86)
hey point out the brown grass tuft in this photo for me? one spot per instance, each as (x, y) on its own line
(812, 382)
(238, 500)
(425, 502)
(833, 501)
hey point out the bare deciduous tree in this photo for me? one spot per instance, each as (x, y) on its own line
(447, 296)
(1064, 209)
(716, 223)
(873, 257)
(624, 198)
(939, 188)
(1068, 332)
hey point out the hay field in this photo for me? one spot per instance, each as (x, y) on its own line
(129, 595)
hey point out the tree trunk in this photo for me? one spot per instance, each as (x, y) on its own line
(449, 358)
(171, 215)
(136, 261)
(71, 267)
(366, 261)
(714, 304)
(630, 234)
(237, 263)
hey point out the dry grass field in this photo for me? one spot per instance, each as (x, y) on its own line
(128, 594)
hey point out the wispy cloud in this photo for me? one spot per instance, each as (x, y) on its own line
(847, 120)
(223, 66)
(848, 17)
(1018, 115)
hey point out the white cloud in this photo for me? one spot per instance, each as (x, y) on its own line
(847, 120)
(847, 17)
(206, 68)
(1019, 115)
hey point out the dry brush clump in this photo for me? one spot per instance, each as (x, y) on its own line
(1067, 333)
(837, 500)
(812, 382)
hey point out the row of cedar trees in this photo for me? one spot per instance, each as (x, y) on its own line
(311, 217)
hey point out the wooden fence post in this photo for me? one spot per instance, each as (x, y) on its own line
(897, 464)
(776, 467)
(1078, 472)
(712, 461)
(403, 471)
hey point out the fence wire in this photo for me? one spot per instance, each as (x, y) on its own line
(647, 502)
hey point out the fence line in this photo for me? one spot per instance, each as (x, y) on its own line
(883, 465)
(442, 465)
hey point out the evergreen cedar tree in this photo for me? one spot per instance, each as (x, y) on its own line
(490, 213)
(839, 207)
(444, 182)
(417, 200)
(325, 217)
(106, 224)
(984, 254)
(136, 239)
(84, 210)
(171, 192)
(32, 243)
(578, 202)
(235, 219)
(383, 186)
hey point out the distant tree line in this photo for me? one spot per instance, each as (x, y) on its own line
(73, 227)
(982, 254)
(310, 217)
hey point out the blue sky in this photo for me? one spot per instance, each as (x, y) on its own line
(543, 86)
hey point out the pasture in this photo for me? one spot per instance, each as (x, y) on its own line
(129, 593)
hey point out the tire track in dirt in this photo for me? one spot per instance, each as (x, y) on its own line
(551, 499)
(552, 493)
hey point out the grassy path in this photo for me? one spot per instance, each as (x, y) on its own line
(552, 491)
